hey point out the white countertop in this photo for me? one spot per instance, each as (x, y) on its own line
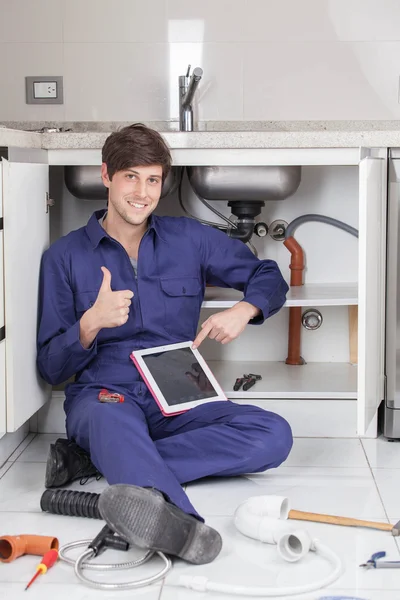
(20, 139)
(237, 135)
(241, 139)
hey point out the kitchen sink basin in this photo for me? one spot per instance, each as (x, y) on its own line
(84, 182)
(251, 183)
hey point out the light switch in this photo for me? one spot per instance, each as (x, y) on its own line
(44, 90)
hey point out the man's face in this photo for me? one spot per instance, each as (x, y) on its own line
(134, 193)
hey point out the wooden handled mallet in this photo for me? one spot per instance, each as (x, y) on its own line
(278, 508)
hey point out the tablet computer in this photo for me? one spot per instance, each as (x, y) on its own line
(177, 376)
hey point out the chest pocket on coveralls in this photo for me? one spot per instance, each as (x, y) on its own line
(84, 301)
(182, 304)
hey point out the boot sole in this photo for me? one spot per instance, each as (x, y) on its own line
(145, 519)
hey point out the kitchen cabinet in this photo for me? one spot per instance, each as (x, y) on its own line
(26, 236)
(2, 327)
(330, 384)
(391, 407)
(327, 396)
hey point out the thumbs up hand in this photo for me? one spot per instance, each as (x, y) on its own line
(106, 283)
(111, 309)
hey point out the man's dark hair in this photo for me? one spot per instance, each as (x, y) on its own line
(135, 146)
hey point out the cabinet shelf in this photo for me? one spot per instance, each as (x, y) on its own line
(312, 381)
(310, 294)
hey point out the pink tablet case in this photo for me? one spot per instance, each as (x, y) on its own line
(152, 391)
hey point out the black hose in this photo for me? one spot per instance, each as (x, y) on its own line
(71, 503)
(291, 228)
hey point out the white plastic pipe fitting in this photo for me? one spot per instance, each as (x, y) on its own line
(295, 545)
(260, 518)
(276, 507)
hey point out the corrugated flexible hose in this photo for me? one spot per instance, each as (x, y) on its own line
(71, 503)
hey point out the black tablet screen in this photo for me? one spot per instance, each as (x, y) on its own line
(179, 376)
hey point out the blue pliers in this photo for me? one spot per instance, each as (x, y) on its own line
(375, 563)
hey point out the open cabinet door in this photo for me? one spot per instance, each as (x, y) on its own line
(3, 426)
(26, 236)
(371, 289)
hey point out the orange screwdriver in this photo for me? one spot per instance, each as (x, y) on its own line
(48, 561)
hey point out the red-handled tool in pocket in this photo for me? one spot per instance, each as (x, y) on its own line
(106, 396)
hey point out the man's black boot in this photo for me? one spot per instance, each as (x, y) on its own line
(66, 462)
(144, 518)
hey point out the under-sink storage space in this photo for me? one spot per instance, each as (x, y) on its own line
(341, 299)
(330, 290)
(327, 372)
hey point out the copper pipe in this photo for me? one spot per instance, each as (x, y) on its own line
(13, 546)
(296, 279)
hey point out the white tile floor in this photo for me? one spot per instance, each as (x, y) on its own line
(338, 476)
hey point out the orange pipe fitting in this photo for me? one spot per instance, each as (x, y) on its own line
(296, 279)
(13, 546)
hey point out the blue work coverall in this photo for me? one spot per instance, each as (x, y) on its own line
(132, 442)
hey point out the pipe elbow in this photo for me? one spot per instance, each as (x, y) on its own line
(296, 251)
(243, 231)
(14, 546)
(297, 260)
(253, 519)
(263, 518)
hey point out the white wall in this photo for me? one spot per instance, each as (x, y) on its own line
(262, 59)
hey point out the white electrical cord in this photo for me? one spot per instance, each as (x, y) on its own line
(202, 584)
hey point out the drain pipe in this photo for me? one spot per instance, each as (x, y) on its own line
(291, 228)
(296, 279)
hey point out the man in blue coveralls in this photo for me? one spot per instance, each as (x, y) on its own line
(130, 280)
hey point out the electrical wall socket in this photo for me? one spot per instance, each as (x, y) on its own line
(44, 90)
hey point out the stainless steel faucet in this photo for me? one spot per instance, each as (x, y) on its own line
(187, 89)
